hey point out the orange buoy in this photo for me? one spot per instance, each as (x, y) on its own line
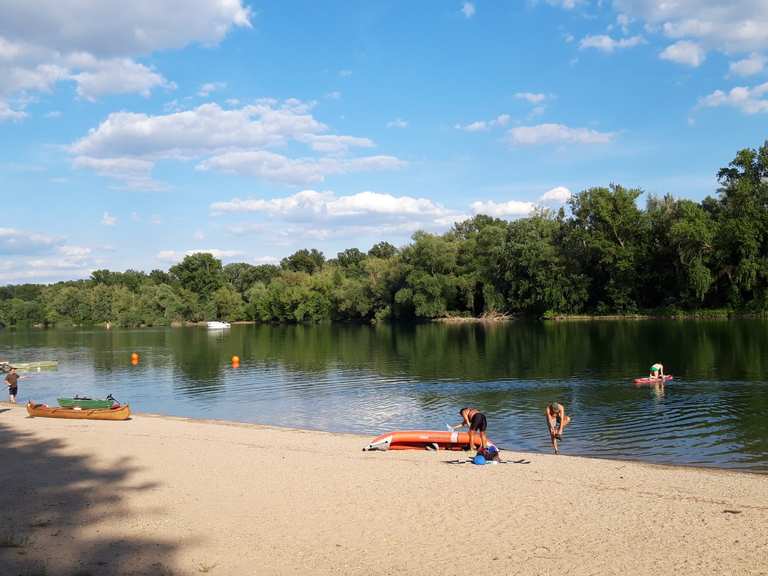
(235, 359)
(134, 358)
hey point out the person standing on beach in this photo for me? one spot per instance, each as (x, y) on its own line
(657, 371)
(12, 381)
(477, 423)
(556, 423)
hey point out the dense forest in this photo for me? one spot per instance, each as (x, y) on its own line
(602, 254)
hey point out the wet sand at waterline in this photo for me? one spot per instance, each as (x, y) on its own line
(157, 495)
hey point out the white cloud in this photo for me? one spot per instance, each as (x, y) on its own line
(57, 40)
(116, 76)
(265, 260)
(278, 168)
(173, 256)
(397, 123)
(53, 114)
(108, 219)
(557, 195)
(748, 100)
(468, 9)
(312, 204)
(501, 209)
(485, 125)
(209, 87)
(684, 52)
(608, 44)
(345, 73)
(334, 95)
(749, 66)
(531, 97)
(556, 133)
(730, 26)
(13, 241)
(127, 145)
(8, 113)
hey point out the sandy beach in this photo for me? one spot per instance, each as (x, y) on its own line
(157, 495)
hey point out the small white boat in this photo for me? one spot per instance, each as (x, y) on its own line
(216, 325)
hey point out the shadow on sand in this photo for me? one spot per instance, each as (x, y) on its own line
(50, 503)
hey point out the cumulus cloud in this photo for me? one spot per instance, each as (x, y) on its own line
(749, 66)
(468, 9)
(108, 219)
(513, 208)
(209, 87)
(531, 97)
(116, 76)
(748, 100)
(557, 195)
(556, 134)
(733, 26)
(173, 256)
(485, 125)
(277, 168)
(34, 257)
(684, 52)
(127, 145)
(520, 208)
(397, 123)
(15, 242)
(49, 41)
(608, 44)
(313, 204)
(8, 113)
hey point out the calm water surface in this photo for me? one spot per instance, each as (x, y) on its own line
(370, 380)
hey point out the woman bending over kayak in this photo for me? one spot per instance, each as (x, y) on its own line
(556, 423)
(477, 424)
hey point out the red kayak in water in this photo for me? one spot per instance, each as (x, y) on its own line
(667, 378)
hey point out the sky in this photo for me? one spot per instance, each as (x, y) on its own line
(134, 133)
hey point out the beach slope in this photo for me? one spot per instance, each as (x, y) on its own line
(156, 495)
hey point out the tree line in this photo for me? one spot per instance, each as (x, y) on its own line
(601, 255)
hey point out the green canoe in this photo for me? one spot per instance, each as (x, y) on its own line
(86, 403)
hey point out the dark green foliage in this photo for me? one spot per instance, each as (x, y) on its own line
(309, 261)
(605, 255)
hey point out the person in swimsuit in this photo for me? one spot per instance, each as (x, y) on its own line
(657, 371)
(556, 423)
(477, 423)
(12, 380)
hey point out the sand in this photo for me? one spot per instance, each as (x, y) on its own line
(157, 495)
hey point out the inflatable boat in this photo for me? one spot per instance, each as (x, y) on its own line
(421, 440)
(667, 378)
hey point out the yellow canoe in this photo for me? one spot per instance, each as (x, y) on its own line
(44, 411)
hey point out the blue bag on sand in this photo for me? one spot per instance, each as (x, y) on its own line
(479, 459)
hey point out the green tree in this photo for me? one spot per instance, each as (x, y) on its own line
(309, 261)
(200, 273)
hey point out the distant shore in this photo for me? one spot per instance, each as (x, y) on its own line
(160, 495)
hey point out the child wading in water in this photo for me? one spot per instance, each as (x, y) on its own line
(12, 381)
(556, 423)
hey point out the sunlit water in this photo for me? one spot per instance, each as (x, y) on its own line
(370, 380)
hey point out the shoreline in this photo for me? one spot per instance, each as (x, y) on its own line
(364, 439)
(176, 495)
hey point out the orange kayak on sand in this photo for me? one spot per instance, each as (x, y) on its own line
(119, 412)
(421, 440)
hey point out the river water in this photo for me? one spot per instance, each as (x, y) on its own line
(370, 380)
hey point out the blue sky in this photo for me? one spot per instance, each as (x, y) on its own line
(135, 133)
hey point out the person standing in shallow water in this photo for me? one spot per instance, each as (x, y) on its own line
(556, 423)
(12, 381)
